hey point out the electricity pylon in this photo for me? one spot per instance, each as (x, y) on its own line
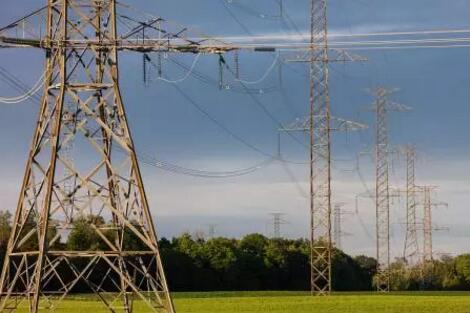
(277, 222)
(100, 186)
(319, 128)
(411, 249)
(427, 262)
(382, 106)
(427, 226)
(320, 125)
(338, 233)
(103, 187)
(320, 151)
(212, 230)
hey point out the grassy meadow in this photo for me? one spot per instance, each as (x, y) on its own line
(295, 302)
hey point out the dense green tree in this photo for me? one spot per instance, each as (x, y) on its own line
(83, 236)
(254, 244)
(399, 275)
(251, 263)
(5, 230)
(220, 253)
(462, 267)
(368, 269)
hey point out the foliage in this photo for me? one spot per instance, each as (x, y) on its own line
(254, 262)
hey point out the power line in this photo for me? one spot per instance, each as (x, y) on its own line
(148, 160)
(29, 93)
(206, 79)
(235, 18)
(228, 130)
(264, 109)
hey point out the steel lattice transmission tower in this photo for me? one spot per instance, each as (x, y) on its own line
(411, 249)
(427, 262)
(318, 124)
(337, 225)
(102, 188)
(320, 184)
(427, 225)
(428, 229)
(382, 107)
(83, 104)
(426, 256)
(320, 152)
(277, 222)
(320, 147)
(427, 266)
(338, 233)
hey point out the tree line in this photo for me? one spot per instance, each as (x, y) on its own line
(256, 262)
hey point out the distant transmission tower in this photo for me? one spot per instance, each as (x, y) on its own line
(277, 222)
(338, 232)
(382, 106)
(212, 230)
(427, 226)
(337, 225)
(411, 249)
(320, 191)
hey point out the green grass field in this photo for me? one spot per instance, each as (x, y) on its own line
(294, 302)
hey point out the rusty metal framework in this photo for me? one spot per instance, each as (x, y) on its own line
(411, 249)
(382, 106)
(98, 183)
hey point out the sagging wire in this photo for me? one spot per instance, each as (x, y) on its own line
(176, 169)
(28, 92)
(206, 79)
(185, 77)
(262, 78)
(230, 132)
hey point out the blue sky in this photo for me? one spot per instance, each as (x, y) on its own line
(433, 82)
